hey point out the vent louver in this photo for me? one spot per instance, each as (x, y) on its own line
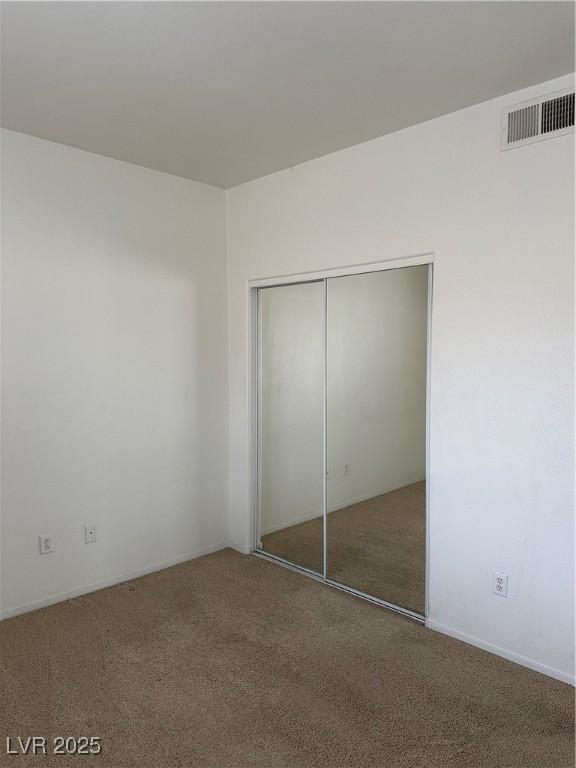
(557, 113)
(539, 119)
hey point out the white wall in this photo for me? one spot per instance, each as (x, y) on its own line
(501, 227)
(114, 369)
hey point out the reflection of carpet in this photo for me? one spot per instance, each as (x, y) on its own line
(377, 546)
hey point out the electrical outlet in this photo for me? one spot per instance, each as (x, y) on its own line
(89, 534)
(500, 584)
(45, 544)
(346, 469)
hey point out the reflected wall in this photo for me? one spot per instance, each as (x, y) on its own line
(291, 322)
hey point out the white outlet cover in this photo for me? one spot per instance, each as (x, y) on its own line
(45, 545)
(500, 584)
(89, 534)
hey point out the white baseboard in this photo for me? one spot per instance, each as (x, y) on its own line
(290, 523)
(373, 495)
(537, 666)
(335, 508)
(110, 582)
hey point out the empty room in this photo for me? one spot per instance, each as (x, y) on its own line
(287, 384)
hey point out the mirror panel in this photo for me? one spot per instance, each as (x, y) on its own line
(291, 414)
(376, 433)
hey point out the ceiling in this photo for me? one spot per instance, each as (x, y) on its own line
(225, 92)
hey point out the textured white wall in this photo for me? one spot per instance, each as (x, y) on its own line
(114, 369)
(501, 227)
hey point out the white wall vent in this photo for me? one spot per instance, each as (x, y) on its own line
(542, 118)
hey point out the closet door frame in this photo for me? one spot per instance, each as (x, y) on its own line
(254, 351)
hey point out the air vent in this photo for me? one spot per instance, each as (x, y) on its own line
(538, 119)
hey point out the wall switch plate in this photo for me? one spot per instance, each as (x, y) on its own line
(346, 469)
(89, 534)
(500, 584)
(45, 544)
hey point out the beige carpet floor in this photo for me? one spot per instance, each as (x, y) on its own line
(230, 661)
(377, 546)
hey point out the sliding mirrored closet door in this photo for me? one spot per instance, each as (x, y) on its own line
(291, 325)
(376, 433)
(342, 377)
